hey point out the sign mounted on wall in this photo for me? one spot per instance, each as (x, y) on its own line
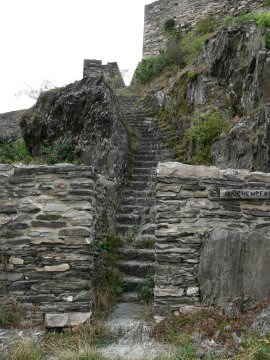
(244, 193)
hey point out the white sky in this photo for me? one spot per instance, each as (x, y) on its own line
(49, 39)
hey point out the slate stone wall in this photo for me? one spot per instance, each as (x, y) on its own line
(212, 246)
(48, 221)
(186, 14)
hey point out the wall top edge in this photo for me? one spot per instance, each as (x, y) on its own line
(21, 169)
(167, 169)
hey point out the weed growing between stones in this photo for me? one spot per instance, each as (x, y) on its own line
(146, 289)
(147, 243)
(10, 314)
(205, 131)
(130, 235)
(108, 284)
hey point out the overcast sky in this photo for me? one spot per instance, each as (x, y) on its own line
(48, 39)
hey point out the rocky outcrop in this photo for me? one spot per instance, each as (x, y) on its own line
(10, 127)
(234, 266)
(231, 76)
(87, 113)
(247, 144)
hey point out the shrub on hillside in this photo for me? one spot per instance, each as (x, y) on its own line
(12, 153)
(206, 25)
(262, 19)
(151, 67)
(205, 131)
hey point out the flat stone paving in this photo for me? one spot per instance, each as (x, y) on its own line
(132, 335)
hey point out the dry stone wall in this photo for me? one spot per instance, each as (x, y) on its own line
(186, 14)
(48, 221)
(212, 234)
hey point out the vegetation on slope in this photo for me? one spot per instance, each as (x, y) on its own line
(192, 130)
(181, 50)
(58, 152)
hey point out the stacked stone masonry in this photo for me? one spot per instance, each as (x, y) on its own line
(186, 14)
(48, 219)
(212, 236)
(111, 72)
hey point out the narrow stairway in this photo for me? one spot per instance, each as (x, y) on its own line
(135, 217)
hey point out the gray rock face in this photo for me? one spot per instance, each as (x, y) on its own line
(86, 112)
(237, 59)
(9, 125)
(231, 76)
(233, 265)
(247, 145)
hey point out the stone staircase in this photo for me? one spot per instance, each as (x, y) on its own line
(135, 217)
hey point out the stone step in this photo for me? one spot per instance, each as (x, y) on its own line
(147, 157)
(139, 193)
(133, 254)
(153, 151)
(141, 185)
(159, 147)
(130, 296)
(131, 282)
(146, 241)
(137, 267)
(148, 229)
(145, 163)
(130, 219)
(136, 209)
(131, 201)
(137, 170)
(144, 177)
(123, 228)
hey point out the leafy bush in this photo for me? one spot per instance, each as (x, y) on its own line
(262, 19)
(12, 153)
(191, 75)
(146, 289)
(60, 151)
(205, 131)
(266, 3)
(169, 24)
(206, 25)
(151, 67)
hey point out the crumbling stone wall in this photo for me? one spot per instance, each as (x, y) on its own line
(212, 234)
(186, 14)
(111, 72)
(48, 221)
